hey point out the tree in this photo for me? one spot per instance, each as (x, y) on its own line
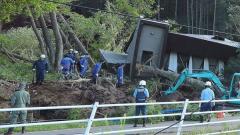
(234, 16)
(39, 9)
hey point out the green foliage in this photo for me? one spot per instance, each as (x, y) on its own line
(193, 108)
(98, 32)
(11, 8)
(234, 16)
(48, 127)
(74, 114)
(19, 71)
(151, 110)
(135, 7)
(21, 41)
(14, 71)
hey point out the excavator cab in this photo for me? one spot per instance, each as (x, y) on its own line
(234, 90)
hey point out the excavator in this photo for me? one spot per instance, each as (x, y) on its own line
(222, 92)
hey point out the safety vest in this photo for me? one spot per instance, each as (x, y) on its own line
(141, 96)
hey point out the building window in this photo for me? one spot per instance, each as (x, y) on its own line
(197, 63)
(183, 62)
(147, 57)
(213, 65)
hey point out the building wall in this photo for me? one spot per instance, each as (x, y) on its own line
(177, 62)
(151, 41)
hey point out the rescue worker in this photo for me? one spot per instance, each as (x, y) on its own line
(83, 65)
(141, 94)
(70, 54)
(66, 64)
(41, 67)
(207, 95)
(74, 58)
(19, 99)
(120, 73)
(95, 72)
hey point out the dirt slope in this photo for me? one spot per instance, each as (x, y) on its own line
(69, 93)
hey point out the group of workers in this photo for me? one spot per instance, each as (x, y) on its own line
(21, 99)
(70, 64)
(141, 95)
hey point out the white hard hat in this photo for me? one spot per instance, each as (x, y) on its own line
(43, 56)
(75, 51)
(70, 50)
(142, 83)
(208, 83)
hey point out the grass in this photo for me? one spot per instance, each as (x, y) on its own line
(19, 71)
(48, 127)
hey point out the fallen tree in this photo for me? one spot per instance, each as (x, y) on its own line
(14, 56)
(147, 71)
(191, 89)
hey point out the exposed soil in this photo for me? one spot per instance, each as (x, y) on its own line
(70, 93)
(82, 92)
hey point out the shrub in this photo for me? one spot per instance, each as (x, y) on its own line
(74, 114)
(151, 110)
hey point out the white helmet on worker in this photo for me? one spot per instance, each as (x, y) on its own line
(71, 50)
(208, 84)
(76, 52)
(142, 83)
(43, 56)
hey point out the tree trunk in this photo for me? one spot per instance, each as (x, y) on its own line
(176, 9)
(6, 52)
(47, 39)
(59, 42)
(207, 15)
(192, 14)
(0, 26)
(200, 18)
(146, 71)
(188, 17)
(66, 43)
(214, 17)
(38, 35)
(73, 35)
(196, 16)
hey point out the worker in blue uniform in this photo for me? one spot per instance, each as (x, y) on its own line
(120, 72)
(95, 72)
(207, 94)
(141, 94)
(70, 54)
(66, 64)
(41, 67)
(83, 65)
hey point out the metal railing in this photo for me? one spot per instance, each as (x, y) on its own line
(179, 125)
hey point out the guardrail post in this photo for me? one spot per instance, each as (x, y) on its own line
(90, 120)
(182, 117)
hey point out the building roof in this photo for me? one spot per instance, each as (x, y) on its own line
(113, 57)
(201, 45)
(212, 38)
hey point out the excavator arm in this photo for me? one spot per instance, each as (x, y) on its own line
(202, 74)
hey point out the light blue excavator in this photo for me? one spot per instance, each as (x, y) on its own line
(231, 93)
